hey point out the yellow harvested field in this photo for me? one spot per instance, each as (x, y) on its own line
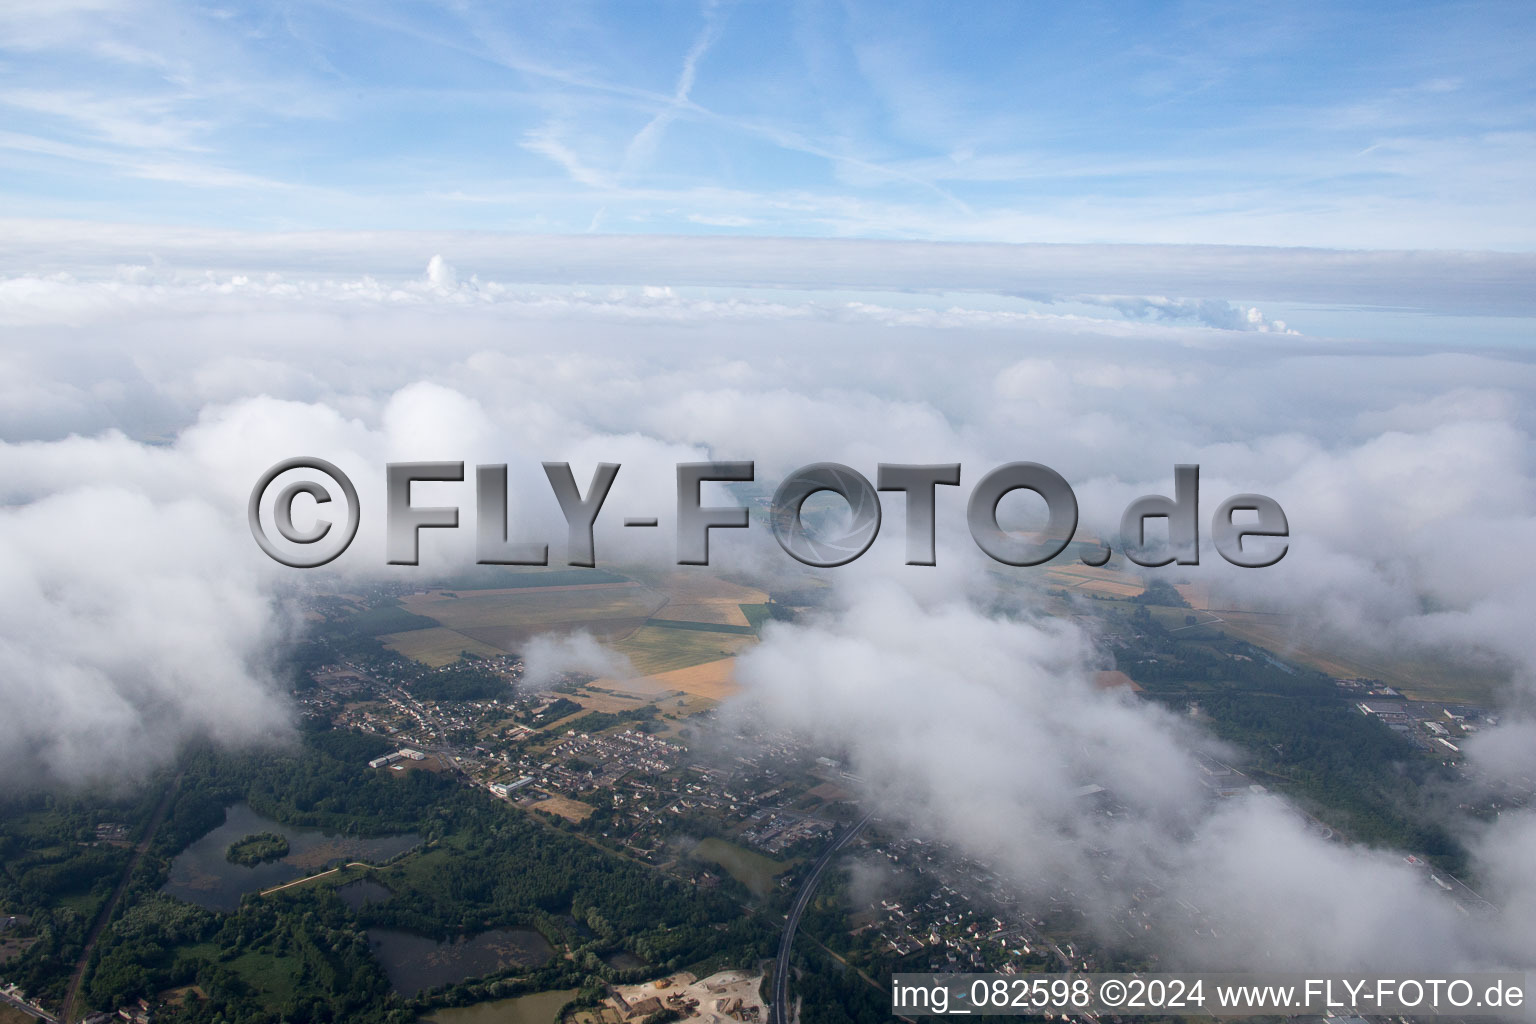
(709, 683)
(1094, 572)
(703, 597)
(1101, 580)
(436, 646)
(1114, 589)
(831, 792)
(1197, 594)
(718, 611)
(1111, 680)
(714, 680)
(565, 807)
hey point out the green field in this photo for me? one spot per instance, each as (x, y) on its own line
(1418, 675)
(757, 614)
(275, 977)
(506, 619)
(511, 577)
(388, 618)
(437, 646)
(752, 870)
(702, 627)
(653, 649)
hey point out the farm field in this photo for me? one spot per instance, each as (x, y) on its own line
(713, 680)
(1414, 675)
(599, 698)
(701, 597)
(565, 807)
(506, 619)
(1101, 580)
(657, 649)
(1115, 679)
(436, 646)
(1197, 594)
(663, 622)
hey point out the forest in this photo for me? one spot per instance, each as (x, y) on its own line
(1365, 780)
(303, 953)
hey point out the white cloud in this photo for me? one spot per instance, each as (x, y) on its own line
(546, 658)
(978, 731)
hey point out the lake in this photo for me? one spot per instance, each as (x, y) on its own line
(414, 962)
(536, 1008)
(203, 875)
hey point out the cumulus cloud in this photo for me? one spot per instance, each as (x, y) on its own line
(126, 630)
(546, 658)
(983, 731)
(1211, 312)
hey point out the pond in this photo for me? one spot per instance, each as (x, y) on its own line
(203, 875)
(363, 892)
(536, 1008)
(623, 960)
(414, 963)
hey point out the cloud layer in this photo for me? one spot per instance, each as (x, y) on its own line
(142, 402)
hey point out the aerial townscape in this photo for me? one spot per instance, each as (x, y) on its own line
(767, 511)
(451, 839)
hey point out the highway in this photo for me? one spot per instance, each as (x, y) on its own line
(778, 1009)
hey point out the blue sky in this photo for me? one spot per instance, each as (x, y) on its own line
(1357, 126)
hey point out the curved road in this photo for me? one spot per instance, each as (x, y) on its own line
(778, 1009)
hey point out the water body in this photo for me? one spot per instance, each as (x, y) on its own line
(363, 892)
(202, 874)
(415, 963)
(624, 960)
(537, 1008)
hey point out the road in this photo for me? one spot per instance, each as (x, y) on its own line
(314, 877)
(778, 1009)
(66, 1013)
(26, 1008)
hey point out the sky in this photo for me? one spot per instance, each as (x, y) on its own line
(1340, 125)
